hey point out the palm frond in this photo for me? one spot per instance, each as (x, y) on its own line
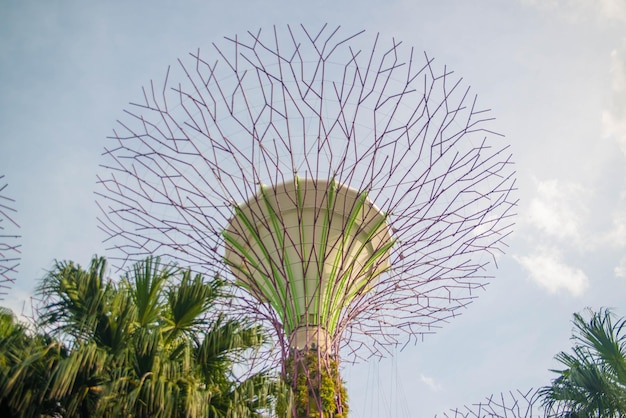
(592, 383)
(158, 343)
(146, 285)
(189, 301)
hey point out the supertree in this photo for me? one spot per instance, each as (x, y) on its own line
(352, 190)
(9, 240)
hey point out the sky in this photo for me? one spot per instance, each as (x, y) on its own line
(552, 71)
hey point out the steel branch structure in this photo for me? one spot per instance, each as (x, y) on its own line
(351, 188)
(505, 405)
(9, 240)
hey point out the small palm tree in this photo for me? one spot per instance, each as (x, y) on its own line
(593, 383)
(154, 344)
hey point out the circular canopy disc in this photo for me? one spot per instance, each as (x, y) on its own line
(308, 247)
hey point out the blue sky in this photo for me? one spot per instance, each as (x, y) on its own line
(554, 73)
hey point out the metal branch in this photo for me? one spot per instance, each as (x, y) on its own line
(10, 248)
(516, 404)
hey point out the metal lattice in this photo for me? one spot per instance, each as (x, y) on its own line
(9, 240)
(260, 110)
(516, 404)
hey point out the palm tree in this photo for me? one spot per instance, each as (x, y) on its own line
(154, 344)
(593, 383)
(26, 361)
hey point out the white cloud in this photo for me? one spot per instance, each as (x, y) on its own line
(577, 10)
(430, 382)
(547, 268)
(620, 269)
(615, 9)
(614, 118)
(616, 237)
(558, 210)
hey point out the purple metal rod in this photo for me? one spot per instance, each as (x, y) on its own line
(9, 241)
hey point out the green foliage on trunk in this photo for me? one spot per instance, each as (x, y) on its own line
(318, 391)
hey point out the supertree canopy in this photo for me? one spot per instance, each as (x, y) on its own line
(350, 187)
(9, 240)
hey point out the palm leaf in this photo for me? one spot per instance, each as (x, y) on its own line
(146, 285)
(593, 381)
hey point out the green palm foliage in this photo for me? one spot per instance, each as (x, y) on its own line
(153, 344)
(593, 383)
(25, 363)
